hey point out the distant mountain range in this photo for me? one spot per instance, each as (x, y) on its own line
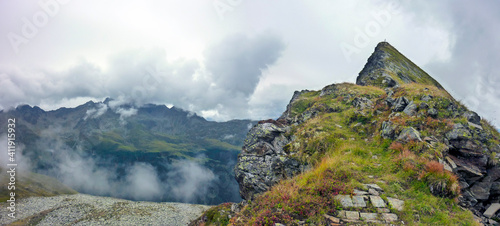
(150, 152)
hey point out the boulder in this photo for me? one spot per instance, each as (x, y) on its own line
(263, 132)
(476, 126)
(481, 190)
(470, 174)
(389, 92)
(362, 103)
(409, 134)
(432, 112)
(411, 109)
(423, 106)
(327, 90)
(461, 143)
(426, 97)
(400, 104)
(388, 81)
(467, 199)
(495, 189)
(494, 173)
(390, 101)
(458, 132)
(473, 117)
(388, 130)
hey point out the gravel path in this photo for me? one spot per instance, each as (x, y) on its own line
(83, 209)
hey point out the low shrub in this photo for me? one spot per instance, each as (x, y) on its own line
(442, 183)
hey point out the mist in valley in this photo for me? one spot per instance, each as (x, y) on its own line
(160, 180)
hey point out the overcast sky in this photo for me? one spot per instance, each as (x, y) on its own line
(226, 59)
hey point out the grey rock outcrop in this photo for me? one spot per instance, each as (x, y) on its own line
(362, 103)
(400, 104)
(426, 97)
(287, 115)
(388, 130)
(411, 109)
(409, 134)
(479, 177)
(473, 117)
(263, 162)
(432, 112)
(387, 67)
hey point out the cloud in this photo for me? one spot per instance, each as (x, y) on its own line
(143, 182)
(222, 84)
(96, 112)
(23, 162)
(190, 181)
(231, 68)
(237, 62)
(181, 181)
(470, 73)
(125, 113)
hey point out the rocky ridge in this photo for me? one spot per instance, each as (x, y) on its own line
(116, 136)
(387, 67)
(433, 133)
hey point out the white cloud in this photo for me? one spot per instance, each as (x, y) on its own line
(246, 65)
(96, 112)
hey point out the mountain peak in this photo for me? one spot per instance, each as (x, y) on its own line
(387, 67)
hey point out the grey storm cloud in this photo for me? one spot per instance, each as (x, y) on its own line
(231, 73)
(237, 63)
(472, 74)
(148, 52)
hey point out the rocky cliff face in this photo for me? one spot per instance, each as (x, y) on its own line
(263, 161)
(394, 102)
(387, 67)
(470, 152)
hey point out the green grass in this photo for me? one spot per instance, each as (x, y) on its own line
(408, 68)
(141, 140)
(32, 184)
(340, 151)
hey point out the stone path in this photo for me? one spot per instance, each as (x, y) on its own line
(366, 206)
(492, 210)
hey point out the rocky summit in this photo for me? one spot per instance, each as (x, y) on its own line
(394, 148)
(387, 67)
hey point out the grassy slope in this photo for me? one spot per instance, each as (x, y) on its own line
(32, 184)
(408, 68)
(341, 146)
(140, 139)
(396, 63)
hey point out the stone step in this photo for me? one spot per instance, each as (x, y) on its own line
(358, 201)
(377, 201)
(396, 203)
(357, 217)
(490, 212)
